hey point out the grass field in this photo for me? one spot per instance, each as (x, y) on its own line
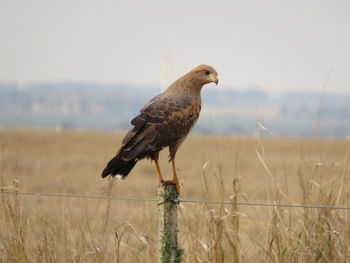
(241, 169)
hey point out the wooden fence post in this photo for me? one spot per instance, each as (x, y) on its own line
(168, 250)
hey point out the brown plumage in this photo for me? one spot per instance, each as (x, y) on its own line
(163, 122)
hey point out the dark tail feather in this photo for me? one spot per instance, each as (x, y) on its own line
(118, 166)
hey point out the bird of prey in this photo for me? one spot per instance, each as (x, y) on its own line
(163, 122)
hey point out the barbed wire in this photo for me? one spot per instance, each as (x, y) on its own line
(176, 201)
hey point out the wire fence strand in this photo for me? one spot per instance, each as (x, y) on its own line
(177, 201)
(80, 196)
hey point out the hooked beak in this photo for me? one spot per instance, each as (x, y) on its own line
(215, 79)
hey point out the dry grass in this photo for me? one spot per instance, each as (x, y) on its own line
(52, 229)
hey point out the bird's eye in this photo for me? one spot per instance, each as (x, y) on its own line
(207, 72)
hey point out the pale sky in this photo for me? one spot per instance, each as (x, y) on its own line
(277, 45)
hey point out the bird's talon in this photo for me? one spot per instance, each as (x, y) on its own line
(172, 182)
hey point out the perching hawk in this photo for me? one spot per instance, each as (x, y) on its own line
(163, 122)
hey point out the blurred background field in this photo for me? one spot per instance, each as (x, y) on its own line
(237, 168)
(110, 107)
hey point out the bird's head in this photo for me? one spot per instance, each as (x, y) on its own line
(193, 81)
(205, 74)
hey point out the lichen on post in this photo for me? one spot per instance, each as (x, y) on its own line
(169, 252)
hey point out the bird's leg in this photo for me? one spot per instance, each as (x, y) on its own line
(175, 180)
(159, 174)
